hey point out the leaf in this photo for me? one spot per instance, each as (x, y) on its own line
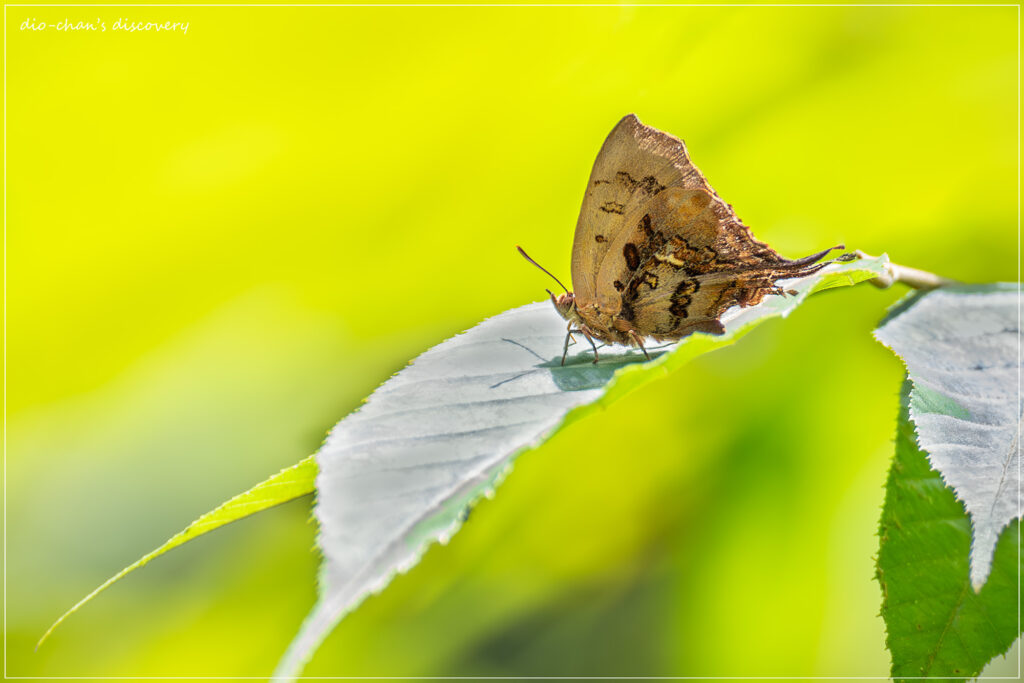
(286, 485)
(405, 469)
(937, 626)
(961, 349)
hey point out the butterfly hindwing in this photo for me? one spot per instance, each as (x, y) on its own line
(687, 261)
(692, 303)
(696, 285)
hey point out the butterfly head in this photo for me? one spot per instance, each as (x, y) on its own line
(565, 304)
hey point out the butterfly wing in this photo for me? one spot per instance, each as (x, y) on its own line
(698, 261)
(635, 163)
(643, 234)
(656, 251)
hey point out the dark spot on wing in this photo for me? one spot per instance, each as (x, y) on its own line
(618, 286)
(648, 184)
(600, 239)
(680, 307)
(632, 256)
(683, 297)
(612, 207)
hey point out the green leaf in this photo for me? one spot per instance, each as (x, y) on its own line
(937, 625)
(286, 485)
(404, 470)
(961, 346)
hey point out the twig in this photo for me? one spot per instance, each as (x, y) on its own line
(912, 277)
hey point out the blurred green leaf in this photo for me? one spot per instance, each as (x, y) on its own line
(937, 626)
(961, 347)
(406, 468)
(288, 484)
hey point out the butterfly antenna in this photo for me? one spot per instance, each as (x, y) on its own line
(527, 257)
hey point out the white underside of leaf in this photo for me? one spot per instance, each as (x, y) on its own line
(434, 438)
(962, 352)
(399, 473)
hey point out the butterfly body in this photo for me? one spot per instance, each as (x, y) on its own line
(657, 253)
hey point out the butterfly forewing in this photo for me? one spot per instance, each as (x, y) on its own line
(635, 163)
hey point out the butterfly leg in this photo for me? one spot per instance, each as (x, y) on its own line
(565, 347)
(586, 333)
(568, 336)
(639, 341)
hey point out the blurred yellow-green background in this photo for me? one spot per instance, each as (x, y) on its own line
(219, 242)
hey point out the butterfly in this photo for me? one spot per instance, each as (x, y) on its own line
(657, 253)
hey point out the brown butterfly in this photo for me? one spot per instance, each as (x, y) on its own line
(657, 253)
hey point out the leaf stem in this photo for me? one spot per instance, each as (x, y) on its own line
(912, 277)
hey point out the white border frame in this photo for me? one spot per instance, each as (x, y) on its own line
(1020, 375)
